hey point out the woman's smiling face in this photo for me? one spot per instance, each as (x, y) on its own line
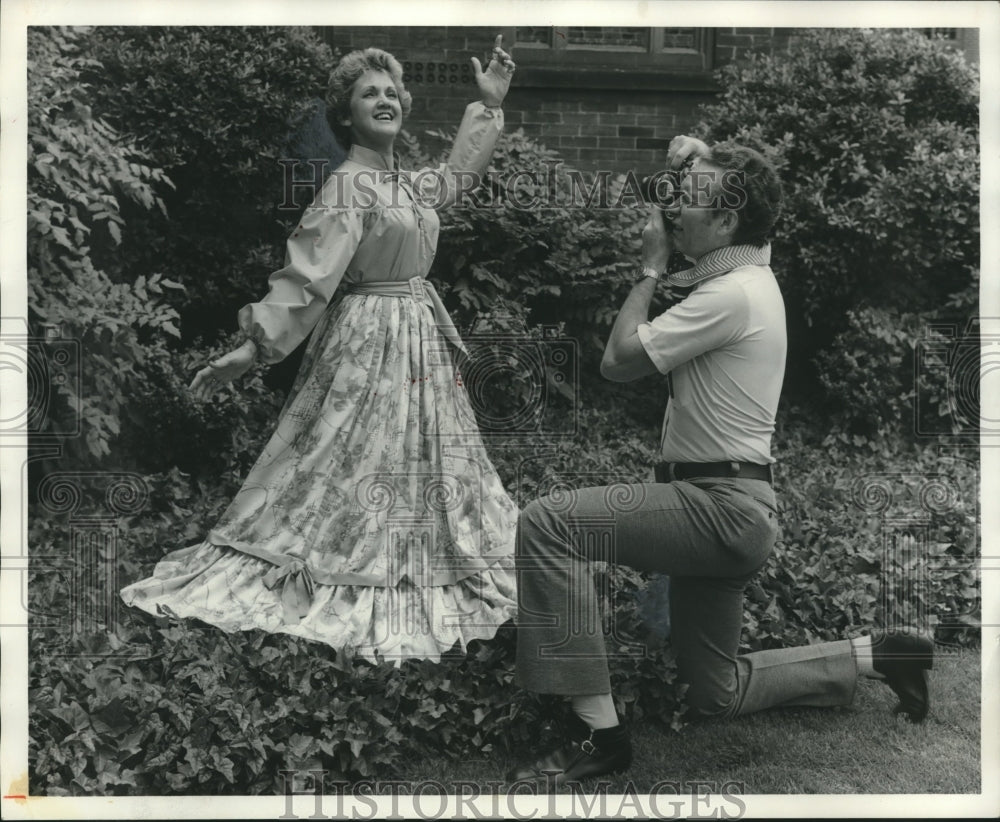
(376, 113)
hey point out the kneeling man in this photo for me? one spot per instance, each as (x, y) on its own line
(710, 519)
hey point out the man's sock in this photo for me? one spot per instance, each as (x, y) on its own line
(861, 647)
(597, 710)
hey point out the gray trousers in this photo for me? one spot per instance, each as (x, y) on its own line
(710, 536)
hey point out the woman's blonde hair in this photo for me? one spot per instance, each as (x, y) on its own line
(346, 74)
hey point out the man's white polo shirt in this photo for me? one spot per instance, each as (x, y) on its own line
(724, 348)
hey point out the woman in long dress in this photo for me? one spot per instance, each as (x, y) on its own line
(373, 520)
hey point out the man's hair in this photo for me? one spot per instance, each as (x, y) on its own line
(346, 74)
(761, 189)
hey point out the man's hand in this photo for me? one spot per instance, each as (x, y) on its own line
(494, 82)
(683, 149)
(657, 244)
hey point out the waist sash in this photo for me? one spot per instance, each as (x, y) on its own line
(420, 290)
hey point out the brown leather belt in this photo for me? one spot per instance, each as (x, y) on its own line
(670, 471)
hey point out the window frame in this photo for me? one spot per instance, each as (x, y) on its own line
(562, 65)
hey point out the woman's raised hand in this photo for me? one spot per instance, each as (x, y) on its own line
(225, 369)
(494, 82)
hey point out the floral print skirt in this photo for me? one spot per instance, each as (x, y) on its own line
(373, 520)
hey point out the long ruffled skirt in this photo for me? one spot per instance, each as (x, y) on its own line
(373, 520)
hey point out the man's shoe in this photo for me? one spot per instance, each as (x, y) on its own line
(586, 754)
(904, 659)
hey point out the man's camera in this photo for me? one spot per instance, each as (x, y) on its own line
(662, 189)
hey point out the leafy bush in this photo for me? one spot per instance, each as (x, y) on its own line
(110, 109)
(217, 108)
(891, 373)
(165, 427)
(864, 373)
(81, 174)
(876, 136)
(560, 262)
(870, 536)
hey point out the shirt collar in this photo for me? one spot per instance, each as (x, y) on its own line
(719, 261)
(372, 159)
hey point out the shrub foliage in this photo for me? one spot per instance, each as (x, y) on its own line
(80, 173)
(876, 136)
(217, 108)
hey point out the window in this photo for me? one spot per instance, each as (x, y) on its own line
(964, 40)
(947, 34)
(688, 49)
(608, 57)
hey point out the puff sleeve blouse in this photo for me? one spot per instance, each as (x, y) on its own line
(368, 223)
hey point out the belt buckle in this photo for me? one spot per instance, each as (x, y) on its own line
(417, 290)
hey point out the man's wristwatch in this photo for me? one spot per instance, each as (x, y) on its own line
(647, 272)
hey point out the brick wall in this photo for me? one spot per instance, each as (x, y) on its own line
(624, 127)
(735, 44)
(616, 130)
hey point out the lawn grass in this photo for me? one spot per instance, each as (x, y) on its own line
(862, 749)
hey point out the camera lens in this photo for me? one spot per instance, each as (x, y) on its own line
(661, 189)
